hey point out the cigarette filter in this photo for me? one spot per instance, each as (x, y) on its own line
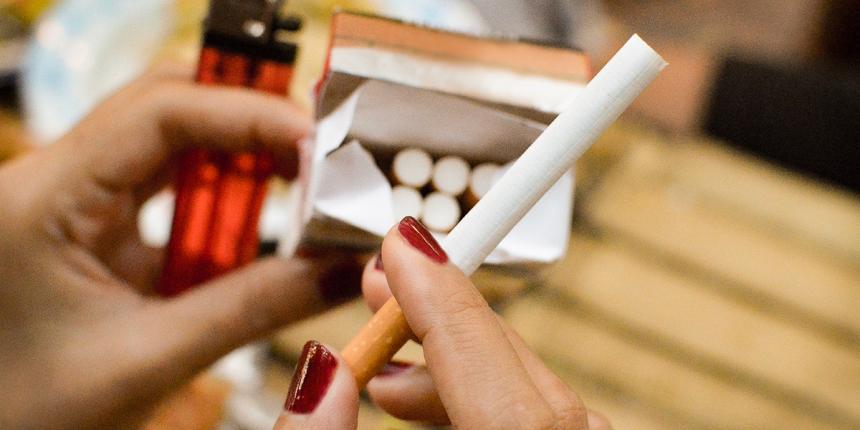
(451, 175)
(412, 167)
(441, 212)
(480, 182)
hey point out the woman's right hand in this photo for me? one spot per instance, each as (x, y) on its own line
(479, 374)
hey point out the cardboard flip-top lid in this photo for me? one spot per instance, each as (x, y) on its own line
(526, 78)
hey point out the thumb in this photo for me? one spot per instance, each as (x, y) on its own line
(323, 394)
(193, 330)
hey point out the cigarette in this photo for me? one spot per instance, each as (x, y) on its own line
(626, 75)
(441, 212)
(480, 182)
(451, 175)
(406, 201)
(412, 167)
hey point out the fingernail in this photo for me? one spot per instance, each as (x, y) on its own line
(313, 376)
(421, 239)
(378, 265)
(341, 283)
(395, 368)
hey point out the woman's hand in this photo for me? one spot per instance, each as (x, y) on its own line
(84, 345)
(479, 374)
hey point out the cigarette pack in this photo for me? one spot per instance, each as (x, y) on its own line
(391, 85)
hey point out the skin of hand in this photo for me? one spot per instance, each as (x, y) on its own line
(480, 374)
(85, 344)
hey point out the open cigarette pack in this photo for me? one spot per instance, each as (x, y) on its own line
(418, 121)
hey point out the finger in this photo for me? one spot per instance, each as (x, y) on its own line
(200, 326)
(136, 263)
(406, 391)
(171, 69)
(323, 394)
(158, 73)
(150, 124)
(399, 398)
(480, 378)
(597, 421)
(567, 407)
(273, 123)
(374, 286)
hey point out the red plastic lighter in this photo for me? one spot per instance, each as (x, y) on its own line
(219, 195)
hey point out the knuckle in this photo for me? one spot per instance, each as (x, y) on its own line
(512, 411)
(460, 317)
(570, 414)
(566, 415)
(19, 199)
(464, 305)
(539, 419)
(598, 421)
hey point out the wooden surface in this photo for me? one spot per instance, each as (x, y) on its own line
(703, 289)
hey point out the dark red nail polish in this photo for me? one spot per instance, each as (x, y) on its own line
(378, 265)
(395, 368)
(341, 283)
(313, 376)
(421, 239)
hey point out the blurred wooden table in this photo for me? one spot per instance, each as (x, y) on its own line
(703, 289)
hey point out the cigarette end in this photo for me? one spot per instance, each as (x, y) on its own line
(441, 212)
(412, 167)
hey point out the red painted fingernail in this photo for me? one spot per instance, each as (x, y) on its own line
(421, 239)
(378, 265)
(313, 376)
(395, 368)
(341, 283)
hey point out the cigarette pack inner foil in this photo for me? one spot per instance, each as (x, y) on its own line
(390, 85)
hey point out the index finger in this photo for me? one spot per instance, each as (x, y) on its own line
(480, 378)
(129, 139)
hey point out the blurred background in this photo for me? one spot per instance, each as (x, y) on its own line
(713, 276)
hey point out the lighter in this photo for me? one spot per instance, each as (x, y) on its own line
(219, 195)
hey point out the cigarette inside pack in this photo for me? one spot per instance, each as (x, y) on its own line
(421, 122)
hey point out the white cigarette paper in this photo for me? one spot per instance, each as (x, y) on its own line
(626, 75)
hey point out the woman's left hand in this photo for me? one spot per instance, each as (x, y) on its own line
(85, 345)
